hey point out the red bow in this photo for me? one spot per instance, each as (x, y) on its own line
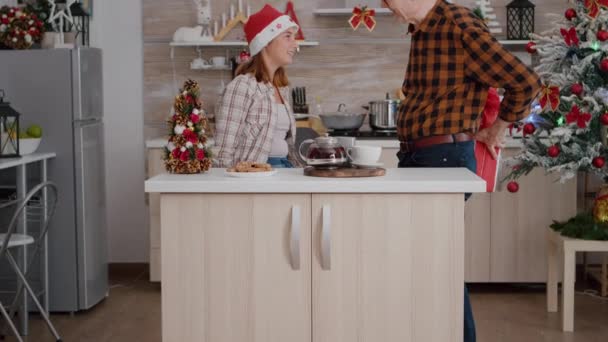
(549, 94)
(365, 16)
(570, 36)
(594, 6)
(575, 115)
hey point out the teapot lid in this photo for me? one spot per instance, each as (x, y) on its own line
(326, 140)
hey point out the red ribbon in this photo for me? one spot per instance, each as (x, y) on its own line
(570, 36)
(364, 15)
(549, 94)
(575, 115)
(594, 6)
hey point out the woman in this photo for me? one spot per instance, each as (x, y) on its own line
(255, 122)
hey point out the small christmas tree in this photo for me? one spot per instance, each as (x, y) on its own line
(187, 151)
(569, 134)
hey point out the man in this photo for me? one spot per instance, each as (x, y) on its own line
(453, 62)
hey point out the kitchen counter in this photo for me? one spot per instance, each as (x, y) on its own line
(296, 258)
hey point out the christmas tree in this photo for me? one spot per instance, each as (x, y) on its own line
(569, 134)
(187, 151)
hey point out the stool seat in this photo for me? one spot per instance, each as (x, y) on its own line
(17, 240)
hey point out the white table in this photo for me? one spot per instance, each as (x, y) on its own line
(21, 165)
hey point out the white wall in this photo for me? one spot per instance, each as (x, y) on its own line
(117, 29)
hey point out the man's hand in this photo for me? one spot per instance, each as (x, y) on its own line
(493, 136)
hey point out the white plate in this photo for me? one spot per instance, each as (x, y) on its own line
(299, 116)
(251, 174)
(367, 166)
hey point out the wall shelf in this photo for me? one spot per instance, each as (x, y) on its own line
(329, 12)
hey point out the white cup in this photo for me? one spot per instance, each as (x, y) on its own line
(364, 155)
(218, 61)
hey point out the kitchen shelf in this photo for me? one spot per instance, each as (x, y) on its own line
(223, 67)
(348, 12)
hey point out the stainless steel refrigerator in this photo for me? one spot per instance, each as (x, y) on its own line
(61, 90)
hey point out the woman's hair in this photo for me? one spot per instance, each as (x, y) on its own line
(256, 67)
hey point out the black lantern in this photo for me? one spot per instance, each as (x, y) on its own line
(81, 23)
(9, 129)
(520, 19)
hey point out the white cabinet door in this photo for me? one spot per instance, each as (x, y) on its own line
(231, 270)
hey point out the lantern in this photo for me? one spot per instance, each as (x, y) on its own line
(81, 23)
(9, 129)
(520, 19)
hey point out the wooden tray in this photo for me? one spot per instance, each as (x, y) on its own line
(344, 172)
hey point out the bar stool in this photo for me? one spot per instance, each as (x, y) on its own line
(38, 206)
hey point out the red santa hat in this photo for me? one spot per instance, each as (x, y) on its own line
(264, 26)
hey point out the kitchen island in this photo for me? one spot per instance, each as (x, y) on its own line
(296, 258)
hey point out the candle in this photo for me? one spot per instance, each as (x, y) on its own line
(215, 28)
(231, 12)
(223, 20)
(248, 10)
(240, 6)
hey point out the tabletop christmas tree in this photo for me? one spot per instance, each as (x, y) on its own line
(569, 135)
(187, 151)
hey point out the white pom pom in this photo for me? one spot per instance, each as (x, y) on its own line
(183, 149)
(170, 147)
(195, 111)
(200, 145)
(189, 144)
(179, 129)
(28, 38)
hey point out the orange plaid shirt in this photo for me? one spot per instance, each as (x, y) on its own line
(454, 60)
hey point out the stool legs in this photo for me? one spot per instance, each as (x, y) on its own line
(552, 274)
(568, 290)
(10, 323)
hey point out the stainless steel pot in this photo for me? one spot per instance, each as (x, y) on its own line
(383, 114)
(342, 120)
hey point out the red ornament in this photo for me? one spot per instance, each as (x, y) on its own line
(602, 35)
(200, 154)
(195, 118)
(531, 48)
(513, 187)
(577, 89)
(553, 151)
(599, 162)
(529, 128)
(176, 153)
(604, 119)
(604, 65)
(570, 13)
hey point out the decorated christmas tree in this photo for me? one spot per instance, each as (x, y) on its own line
(187, 151)
(569, 134)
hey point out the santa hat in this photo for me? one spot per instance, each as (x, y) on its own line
(264, 26)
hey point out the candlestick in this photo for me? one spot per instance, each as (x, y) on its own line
(215, 28)
(223, 20)
(231, 12)
(240, 6)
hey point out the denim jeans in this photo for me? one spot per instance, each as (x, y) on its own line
(279, 163)
(461, 154)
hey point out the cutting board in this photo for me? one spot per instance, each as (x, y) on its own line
(344, 172)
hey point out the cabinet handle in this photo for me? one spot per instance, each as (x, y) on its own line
(294, 239)
(326, 239)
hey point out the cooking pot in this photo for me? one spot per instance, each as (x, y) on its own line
(383, 114)
(342, 120)
(323, 152)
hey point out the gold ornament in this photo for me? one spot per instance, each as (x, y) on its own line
(600, 205)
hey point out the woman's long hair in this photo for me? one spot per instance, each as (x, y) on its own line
(256, 67)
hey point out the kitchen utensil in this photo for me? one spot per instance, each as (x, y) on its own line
(342, 120)
(323, 152)
(383, 114)
(364, 155)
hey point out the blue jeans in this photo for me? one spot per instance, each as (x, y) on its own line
(460, 154)
(279, 163)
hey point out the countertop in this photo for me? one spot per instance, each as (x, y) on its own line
(407, 180)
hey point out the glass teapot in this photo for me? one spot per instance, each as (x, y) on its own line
(324, 151)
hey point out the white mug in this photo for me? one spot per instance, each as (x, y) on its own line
(218, 61)
(364, 155)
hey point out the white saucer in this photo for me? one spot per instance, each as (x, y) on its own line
(251, 174)
(367, 166)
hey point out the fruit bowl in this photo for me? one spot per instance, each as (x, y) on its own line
(28, 145)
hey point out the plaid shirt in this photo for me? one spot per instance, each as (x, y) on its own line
(454, 60)
(246, 121)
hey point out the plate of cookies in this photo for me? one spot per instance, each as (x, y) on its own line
(245, 169)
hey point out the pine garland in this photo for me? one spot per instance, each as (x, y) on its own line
(582, 226)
